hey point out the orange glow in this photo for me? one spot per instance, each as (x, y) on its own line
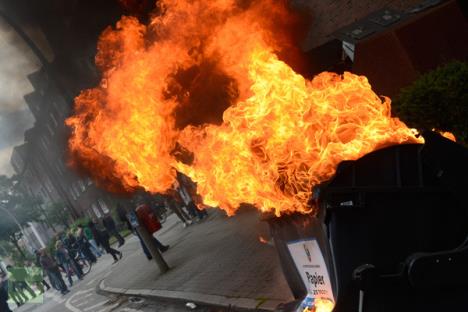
(289, 136)
(262, 240)
(280, 135)
(448, 135)
(323, 305)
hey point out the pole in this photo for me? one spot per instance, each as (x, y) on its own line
(148, 240)
(36, 233)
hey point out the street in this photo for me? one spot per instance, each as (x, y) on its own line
(243, 274)
(84, 296)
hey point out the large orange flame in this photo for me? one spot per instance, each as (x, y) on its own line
(279, 136)
(289, 136)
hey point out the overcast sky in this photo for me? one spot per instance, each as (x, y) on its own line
(16, 62)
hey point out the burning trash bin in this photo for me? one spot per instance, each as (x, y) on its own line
(390, 234)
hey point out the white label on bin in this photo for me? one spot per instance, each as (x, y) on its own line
(311, 266)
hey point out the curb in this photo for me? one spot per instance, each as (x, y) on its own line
(203, 299)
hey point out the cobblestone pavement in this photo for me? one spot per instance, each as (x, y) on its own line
(218, 261)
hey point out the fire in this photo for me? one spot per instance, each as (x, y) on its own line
(323, 305)
(446, 134)
(289, 136)
(280, 135)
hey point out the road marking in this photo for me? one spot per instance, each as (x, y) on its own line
(81, 303)
(90, 282)
(97, 305)
(82, 297)
(109, 308)
(55, 297)
(68, 304)
(107, 273)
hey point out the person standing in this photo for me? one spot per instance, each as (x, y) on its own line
(4, 293)
(122, 213)
(35, 276)
(38, 265)
(102, 239)
(18, 276)
(84, 246)
(63, 258)
(159, 245)
(71, 244)
(109, 224)
(89, 236)
(49, 264)
(12, 291)
(173, 205)
(183, 196)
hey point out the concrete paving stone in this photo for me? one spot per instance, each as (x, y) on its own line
(218, 258)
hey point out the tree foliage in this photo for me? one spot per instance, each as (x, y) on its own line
(16, 209)
(438, 99)
(58, 214)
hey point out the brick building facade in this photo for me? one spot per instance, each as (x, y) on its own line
(71, 30)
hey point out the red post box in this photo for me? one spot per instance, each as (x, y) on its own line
(147, 218)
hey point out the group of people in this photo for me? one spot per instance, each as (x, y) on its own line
(16, 283)
(188, 216)
(88, 242)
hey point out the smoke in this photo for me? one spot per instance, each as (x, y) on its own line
(203, 93)
(16, 62)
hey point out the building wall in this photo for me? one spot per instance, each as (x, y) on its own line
(42, 162)
(327, 16)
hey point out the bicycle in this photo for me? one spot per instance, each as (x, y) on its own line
(84, 263)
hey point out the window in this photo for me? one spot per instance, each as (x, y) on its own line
(81, 185)
(76, 189)
(103, 205)
(96, 210)
(44, 194)
(58, 167)
(61, 107)
(45, 143)
(48, 184)
(72, 193)
(53, 118)
(17, 162)
(49, 128)
(62, 166)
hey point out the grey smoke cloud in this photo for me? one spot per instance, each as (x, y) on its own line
(12, 126)
(16, 62)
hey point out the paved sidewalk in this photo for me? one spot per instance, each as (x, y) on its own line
(219, 261)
